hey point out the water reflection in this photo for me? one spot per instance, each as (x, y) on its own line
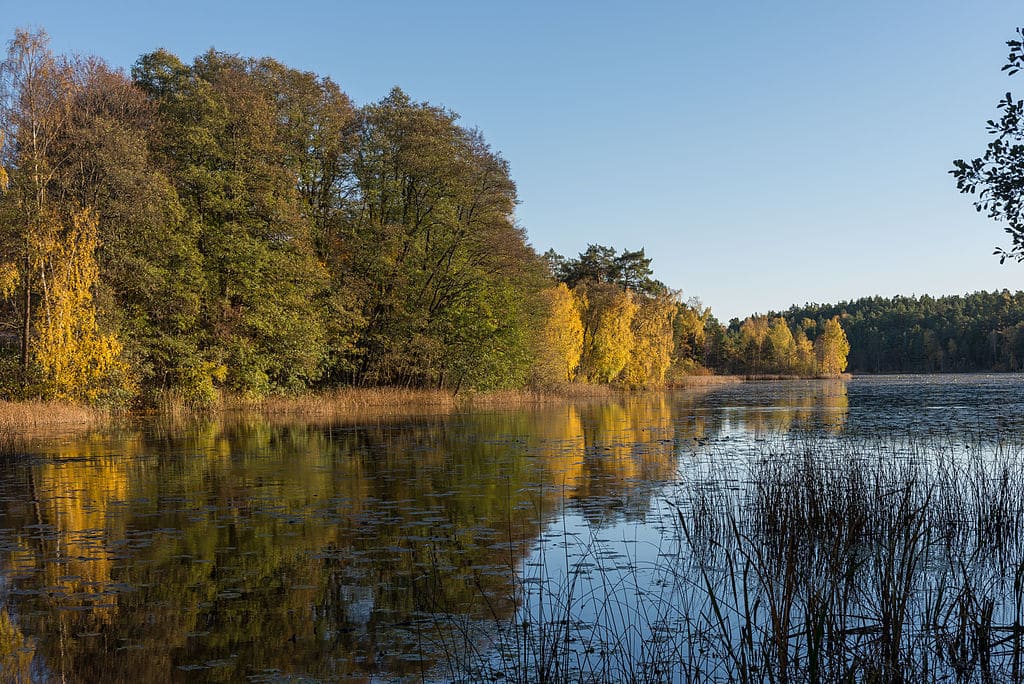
(245, 548)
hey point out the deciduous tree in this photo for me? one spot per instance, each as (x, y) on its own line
(651, 354)
(997, 177)
(74, 359)
(831, 348)
(561, 343)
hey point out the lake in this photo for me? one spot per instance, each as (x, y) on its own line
(779, 531)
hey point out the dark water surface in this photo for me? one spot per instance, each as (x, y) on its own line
(248, 550)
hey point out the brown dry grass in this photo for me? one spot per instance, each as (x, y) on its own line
(346, 403)
(18, 417)
(359, 402)
(351, 400)
(706, 380)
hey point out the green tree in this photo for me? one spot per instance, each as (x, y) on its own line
(229, 147)
(600, 264)
(443, 275)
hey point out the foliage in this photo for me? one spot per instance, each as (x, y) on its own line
(224, 141)
(792, 344)
(253, 231)
(689, 337)
(600, 264)
(831, 348)
(442, 273)
(996, 177)
(36, 92)
(74, 360)
(608, 338)
(652, 330)
(561, 342)
(962, 333)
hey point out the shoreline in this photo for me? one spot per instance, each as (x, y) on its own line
(17, 418)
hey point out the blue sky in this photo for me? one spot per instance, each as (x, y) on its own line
(764, 154)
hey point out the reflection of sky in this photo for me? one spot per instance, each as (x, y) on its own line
(615, 579)
(608, 583)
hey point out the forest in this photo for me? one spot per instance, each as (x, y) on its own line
(983, 331)
(236, 225)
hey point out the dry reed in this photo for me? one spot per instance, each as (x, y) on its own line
(687, 381)
(30, 416)
(367, 402)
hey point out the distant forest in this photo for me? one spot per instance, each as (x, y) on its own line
(983, 331)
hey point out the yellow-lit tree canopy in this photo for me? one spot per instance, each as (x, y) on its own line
(74, 360)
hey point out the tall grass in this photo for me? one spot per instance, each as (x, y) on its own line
(34, 416)
(352, 402)
(793, 559)
(889, 560)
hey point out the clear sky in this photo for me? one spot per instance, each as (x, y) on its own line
(764, 153)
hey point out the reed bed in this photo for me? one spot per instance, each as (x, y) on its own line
(344, 401)
(795, 558)
(361, 402)
(31, 416)
(888, 560)
(687, 381)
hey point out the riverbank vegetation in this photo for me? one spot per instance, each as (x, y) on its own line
(233, 226)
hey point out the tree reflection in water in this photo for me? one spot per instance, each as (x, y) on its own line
(247, 548)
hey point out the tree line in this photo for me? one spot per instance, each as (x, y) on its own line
(633, 329)
(234, 224)
(983, 331)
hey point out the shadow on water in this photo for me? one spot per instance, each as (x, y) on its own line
(694, 536)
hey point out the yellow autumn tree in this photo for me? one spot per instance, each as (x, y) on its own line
(753, 333)
(73, 359)
(4, 180)
(651, 354)
(831, 348)
(607, 330)
(781, 345)
(689, 337)
(804, 353)
(562, 338)
(8, 271)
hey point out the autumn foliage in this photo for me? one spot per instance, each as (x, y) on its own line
(235, 226)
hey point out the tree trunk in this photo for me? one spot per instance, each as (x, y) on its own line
(26, 321)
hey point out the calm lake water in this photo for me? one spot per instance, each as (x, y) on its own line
(430, 548)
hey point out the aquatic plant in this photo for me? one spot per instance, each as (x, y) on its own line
(792, 558)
